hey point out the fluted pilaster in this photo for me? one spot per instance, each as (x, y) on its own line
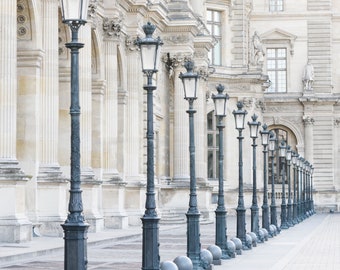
(14, 226)
(181, 131)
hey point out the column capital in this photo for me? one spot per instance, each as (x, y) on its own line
(308, 120)
(112, 27)
(173, 61)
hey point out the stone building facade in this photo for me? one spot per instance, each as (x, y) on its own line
(279, 57)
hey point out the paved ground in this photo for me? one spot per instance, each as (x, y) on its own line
(312, 244)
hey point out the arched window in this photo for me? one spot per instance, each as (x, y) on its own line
(281, 133)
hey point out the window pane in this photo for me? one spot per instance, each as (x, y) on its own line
(217, 54)
(271, 64)
(281, 64)
(217, 30)
(270, 53)
(210, 164)
(281, 52)
(210, 140)
(217, 16)
(210, 120)
(209, 15)
(281, 81)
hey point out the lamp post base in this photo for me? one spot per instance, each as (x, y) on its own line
(151, 260)
(75, 252)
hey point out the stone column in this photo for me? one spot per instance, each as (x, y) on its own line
(90, 185)
(51, 184)
(14, 225)
(113, 186)
(309, 138)
(181, 167)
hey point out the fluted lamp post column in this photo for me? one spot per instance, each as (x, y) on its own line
(190, 81)
(282, 154)
(265, 208)
(239, 115)
(273, 212)
(74, 14)
(295, 188)
(150, 51)
(220, 101)
(289, 204)
(254, 127)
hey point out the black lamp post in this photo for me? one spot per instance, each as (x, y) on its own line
(74, 14)
(303, 189)
(308, 189)
(311, 181)
(300, 191)
(289, 205)
(265, 208)
(254, 127)
(149, 49)
(240, 210)
(220, 101)
(282, 154)
(190, 81)
(272, 148)
(295, 187)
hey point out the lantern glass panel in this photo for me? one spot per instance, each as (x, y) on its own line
(74, 10)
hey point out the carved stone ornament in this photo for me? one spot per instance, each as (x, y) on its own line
(23, 21)
(173, 61)
(177, 39)
(93, 6)
(308, 120)
(130, 43)
(112, 27)
(337, 122)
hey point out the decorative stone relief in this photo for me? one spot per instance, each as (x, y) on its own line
(130, 43)
(337, 122)
(308, 77)
(260, 104)
(172, 62)
(307, 120)
(256, 51)
(112, 27)
(23, 21)
(205, 72)
(176, 39)
(248, 102)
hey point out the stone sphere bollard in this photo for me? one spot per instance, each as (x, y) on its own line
(249, 241)
(266, 234)
(168, 265)
(261, 236)
(238, 245)
(216, 253)
(183, 263)
(206, 259)
(273, 229)
(253, 238)
(231, 249)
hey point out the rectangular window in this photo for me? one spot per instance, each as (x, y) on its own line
(214, 24)
(277, 69)
(275, 5)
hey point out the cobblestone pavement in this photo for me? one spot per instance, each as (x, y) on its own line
(312, 244)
